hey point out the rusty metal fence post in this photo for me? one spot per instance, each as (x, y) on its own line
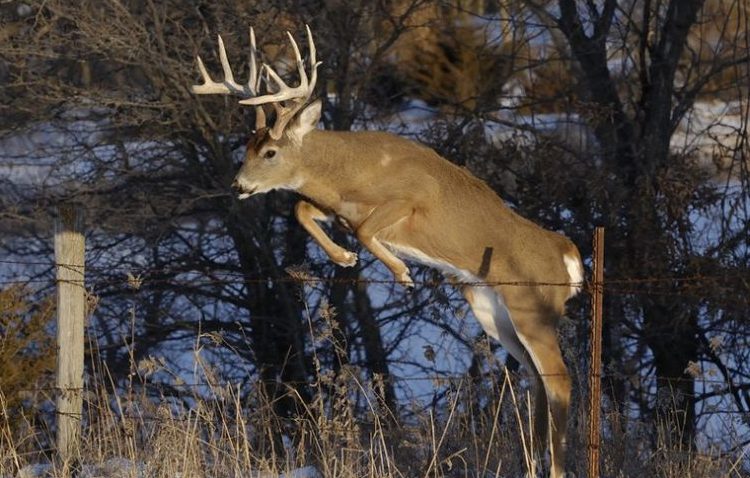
(595, 371)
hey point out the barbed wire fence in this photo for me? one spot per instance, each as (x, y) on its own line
(71, 273)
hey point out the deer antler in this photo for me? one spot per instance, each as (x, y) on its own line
(229, 86)
(287, 101)
(298, 96)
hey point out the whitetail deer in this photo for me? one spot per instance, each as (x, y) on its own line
(401, 199)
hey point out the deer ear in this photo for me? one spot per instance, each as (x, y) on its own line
(307, 120)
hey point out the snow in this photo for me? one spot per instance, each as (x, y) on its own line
(122, 468)
(113, 468)
(711, 133)
(59, 156)
(306, 472)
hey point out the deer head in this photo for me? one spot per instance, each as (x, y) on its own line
(275, 163)
(273, 154)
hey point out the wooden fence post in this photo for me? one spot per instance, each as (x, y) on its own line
(71, 304)
(595, 371)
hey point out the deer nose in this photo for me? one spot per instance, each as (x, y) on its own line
(235, 184)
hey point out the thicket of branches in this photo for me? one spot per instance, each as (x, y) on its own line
(96, 109)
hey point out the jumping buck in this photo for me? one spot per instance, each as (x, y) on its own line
(403, 201)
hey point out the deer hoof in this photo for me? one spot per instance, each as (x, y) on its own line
(347, 259)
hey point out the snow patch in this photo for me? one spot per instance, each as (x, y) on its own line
(124, 468)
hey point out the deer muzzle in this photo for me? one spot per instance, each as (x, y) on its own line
(244, 191)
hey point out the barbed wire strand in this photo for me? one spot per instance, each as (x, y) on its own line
(238, 277)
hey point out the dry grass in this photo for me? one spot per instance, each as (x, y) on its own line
(227, 431)
(476, 428)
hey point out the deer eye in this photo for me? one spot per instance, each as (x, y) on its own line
(270, 154)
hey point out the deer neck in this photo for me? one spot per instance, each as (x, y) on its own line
(325, 161)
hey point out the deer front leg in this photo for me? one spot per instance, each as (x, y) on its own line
(307, 214)
(381, 218)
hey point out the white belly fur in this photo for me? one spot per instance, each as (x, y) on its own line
(488, 305)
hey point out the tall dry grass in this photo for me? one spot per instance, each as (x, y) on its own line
(225, 430)
(473, 427)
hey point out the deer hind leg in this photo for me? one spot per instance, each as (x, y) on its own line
(307, 215)
(492, 314)
(539, 337)
(381, 219)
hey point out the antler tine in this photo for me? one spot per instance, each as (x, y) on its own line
(313, 60)
(197, 89)
(300, 64)
(209, 86)
(254, 81)
(232, 85)
(226, 87)
(228, 75)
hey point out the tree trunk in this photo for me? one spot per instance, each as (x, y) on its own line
(636, 149)
(275, 322)
(672, 336)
